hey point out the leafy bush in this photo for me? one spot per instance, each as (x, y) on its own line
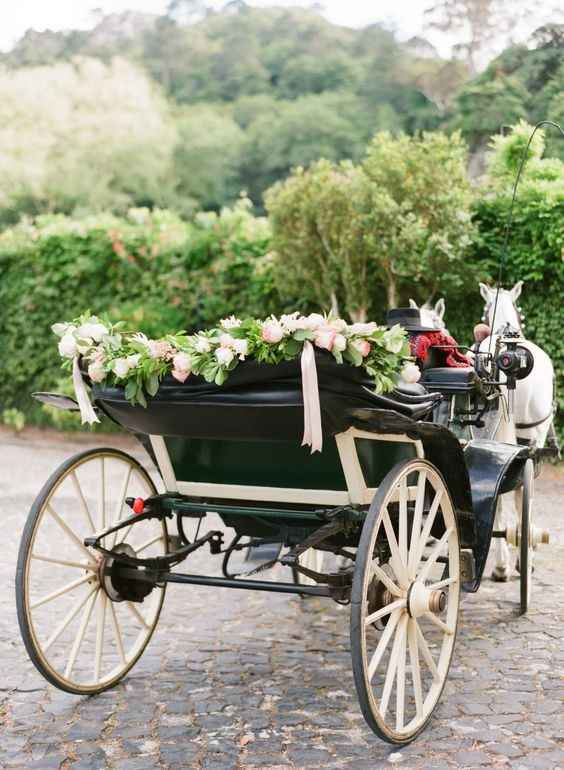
(151, 269)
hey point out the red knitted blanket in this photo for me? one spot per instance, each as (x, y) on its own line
(422, 342)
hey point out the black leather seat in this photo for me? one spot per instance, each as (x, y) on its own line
(446, 379)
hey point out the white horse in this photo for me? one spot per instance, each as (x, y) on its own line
(432, 316)
(532, 414)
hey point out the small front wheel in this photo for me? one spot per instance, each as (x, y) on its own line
(405, 599)
(79, 633)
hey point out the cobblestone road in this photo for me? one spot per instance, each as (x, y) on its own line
(240, 680)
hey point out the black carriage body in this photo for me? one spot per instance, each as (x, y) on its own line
(247, 432)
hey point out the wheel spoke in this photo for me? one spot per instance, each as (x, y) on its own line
(120, 502)
(80, 634)
(63, 562)
(429, 521)
(435, 553)
(102, 495)
(396, 560)
(117, 633)
(100, 627)
(439, 623)
(69, 617)
(133, 609)
(415, 670)
(147, 543)
(400, 684)
(83, 504)
(372, 618)
(392, 666)
(386, 580)
(60, 591)
(68, 531)
(427, 657)
(416, 528)
(403, 519)
(442, 584)
(383, 643)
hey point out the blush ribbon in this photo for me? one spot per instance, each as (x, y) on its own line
(87, 413)
(313, 434)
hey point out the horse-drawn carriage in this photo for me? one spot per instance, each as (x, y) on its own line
(394, 517)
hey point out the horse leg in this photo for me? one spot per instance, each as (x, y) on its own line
(502, 555)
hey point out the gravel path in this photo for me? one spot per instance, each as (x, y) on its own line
(240, 680)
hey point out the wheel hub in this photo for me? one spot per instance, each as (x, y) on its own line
(421, 599)
(117, 585)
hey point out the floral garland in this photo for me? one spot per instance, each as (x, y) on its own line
(115, 356)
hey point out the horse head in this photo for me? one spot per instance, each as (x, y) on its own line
(431, 316)
(507, 310)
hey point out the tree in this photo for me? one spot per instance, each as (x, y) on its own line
(480, 24)
(398, 224)
(83, 136)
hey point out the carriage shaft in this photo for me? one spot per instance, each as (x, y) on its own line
(253, 585)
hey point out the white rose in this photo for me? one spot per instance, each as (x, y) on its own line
(410, 373)
(313, 321)
(230, 323)
(339, 343)
(67, 346)
(61, 329)
(94, 330)
(121, 367)
(224, 356)
(202, 345)
(96, 372)
(363, 329)
(133, 360)
(241, 347)
(338, 324)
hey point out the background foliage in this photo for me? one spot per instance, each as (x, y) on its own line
(187, 109)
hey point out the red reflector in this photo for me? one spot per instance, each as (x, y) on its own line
(138, 505)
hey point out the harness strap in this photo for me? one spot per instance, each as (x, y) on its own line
(524, 425)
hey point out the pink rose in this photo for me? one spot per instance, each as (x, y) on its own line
(362, 346)
(159, 349)
(272, 332)
(325, 338)
(182, 367)
(96, 372)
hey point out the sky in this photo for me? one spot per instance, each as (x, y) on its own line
(17, 17)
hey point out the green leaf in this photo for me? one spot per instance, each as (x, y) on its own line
(152, 385)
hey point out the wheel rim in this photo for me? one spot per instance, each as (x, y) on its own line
(405, 607)
(81, 639)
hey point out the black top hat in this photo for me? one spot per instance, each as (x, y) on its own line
(409, 318)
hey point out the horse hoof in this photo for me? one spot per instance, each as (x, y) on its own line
(500, 575)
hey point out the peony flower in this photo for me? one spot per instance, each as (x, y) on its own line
(362, 346)
(272, 331)
(364, 329)
(96, 372)
(202, 345)
(241, 347)
(94, 330)
(121, 367)
(230, 323)
(339, 343)
(410, 373)
(67, 346)
(325, 338)
(224, 356)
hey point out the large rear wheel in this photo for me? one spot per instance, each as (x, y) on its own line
(79, 633)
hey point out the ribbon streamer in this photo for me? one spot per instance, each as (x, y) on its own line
(313, 434)
(87, 413)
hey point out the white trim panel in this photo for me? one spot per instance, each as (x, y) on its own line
(266, 494)
(164, 464)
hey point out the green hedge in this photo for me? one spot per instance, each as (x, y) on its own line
(151, 269)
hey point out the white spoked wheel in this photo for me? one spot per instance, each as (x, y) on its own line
(405, 599)
(79, 638)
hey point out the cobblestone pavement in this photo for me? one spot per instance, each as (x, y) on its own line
(240, 680)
